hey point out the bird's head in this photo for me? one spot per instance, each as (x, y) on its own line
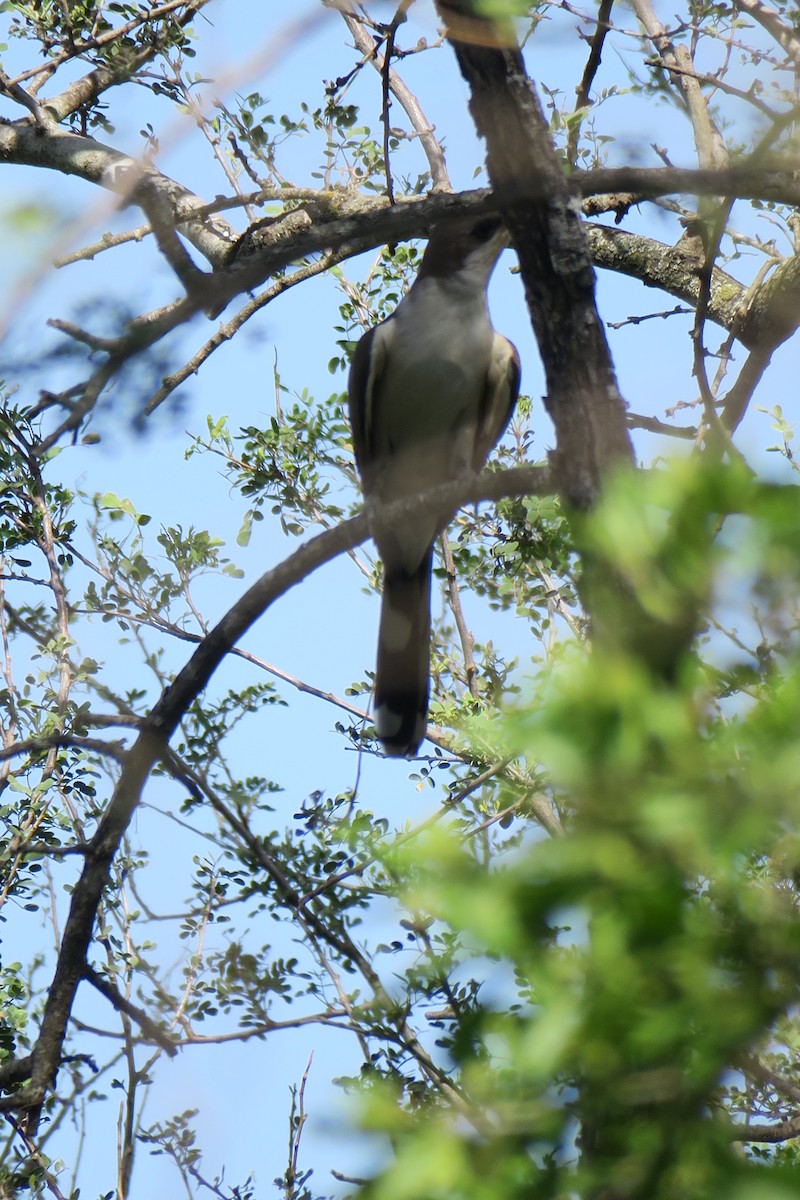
(464, 246)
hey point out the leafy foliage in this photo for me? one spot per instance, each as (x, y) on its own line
(576, 973)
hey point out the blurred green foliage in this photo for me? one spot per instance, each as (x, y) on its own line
(653, 953)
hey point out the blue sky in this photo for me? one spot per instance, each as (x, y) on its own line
(323, 631)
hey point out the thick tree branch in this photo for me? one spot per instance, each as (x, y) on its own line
(780, 1131)
(772, 311)
(22, 142)
(582, 395)
(348, 223)
(770, 181)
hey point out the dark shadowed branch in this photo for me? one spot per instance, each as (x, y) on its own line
(582, 395)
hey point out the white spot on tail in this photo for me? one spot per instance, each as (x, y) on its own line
(387, 722)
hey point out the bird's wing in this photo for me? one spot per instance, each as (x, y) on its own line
(498, 399)
(369, 363)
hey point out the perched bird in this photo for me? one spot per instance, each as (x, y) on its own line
(431, 390)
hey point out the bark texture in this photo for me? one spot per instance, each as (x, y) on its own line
(582, 398)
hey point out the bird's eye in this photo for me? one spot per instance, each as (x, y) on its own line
(486, 229)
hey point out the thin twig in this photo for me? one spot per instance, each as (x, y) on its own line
(297, 1119)
(440, 180)
(585, 86)
(226, 331)
(148, 1027)
(454, 600)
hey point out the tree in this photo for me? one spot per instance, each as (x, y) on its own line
(563, 944)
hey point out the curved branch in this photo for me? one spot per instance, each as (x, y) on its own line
(321, 549)
(348, 223)
(156, 730)
(781, 1131)
(227, 330)
(771, 313)
(344, 216)
(72, 154)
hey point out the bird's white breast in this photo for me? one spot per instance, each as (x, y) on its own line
(437, 362)
(425, 406)
(443, 322)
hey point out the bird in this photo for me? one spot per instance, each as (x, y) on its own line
(431, 390)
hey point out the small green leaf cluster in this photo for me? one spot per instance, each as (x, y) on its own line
(116, 36)
(130, 583)
(14, 1000)
(365, 304)
(293, 464)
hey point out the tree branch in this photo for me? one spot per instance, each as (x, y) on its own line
(89, 87)
(157, 729)
(151, 1031)
(582, 396)
(711, 149)
(771, 20)
(583, 90)
(348, 223)
(670, 268)
(406, 98)
(781, 1131)
(93, 161)
(227, 330)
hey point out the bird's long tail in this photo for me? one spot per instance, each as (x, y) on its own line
(403, 667)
